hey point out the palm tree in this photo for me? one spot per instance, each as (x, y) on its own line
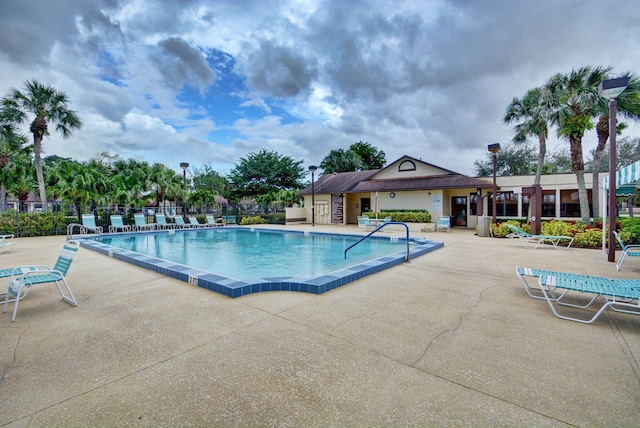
(531, 116)
(47, 104)
(79, 184)
(574, 101)
(629, 108)
(166, 183)
(11, 144)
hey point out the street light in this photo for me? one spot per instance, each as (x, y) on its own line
(610, 89)
(494, 149)
(184, 166)
(313, 169)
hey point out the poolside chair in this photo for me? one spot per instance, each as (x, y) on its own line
(364, 222)
(89, 225)
(180, 223)
(528, 240)
(193, 221)
(117, 225)
(6, 243)
(211, 221)
(141, 223)
(161, 221)
(23, 277)
(627, 250)
(444, 223)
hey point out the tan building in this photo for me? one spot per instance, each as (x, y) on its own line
(409, 183)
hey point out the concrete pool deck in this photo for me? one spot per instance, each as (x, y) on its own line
(449, 339)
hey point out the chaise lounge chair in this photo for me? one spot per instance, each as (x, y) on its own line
(141, 223)
(444, 223)
(117, 225)
(528, 240)
(193, 221)
(556, 288)
(6, 243)
(211, 221)
(161, 221)
(23, 277)
(89, 225)
(364, 222)
(627, 250)
(180, 223)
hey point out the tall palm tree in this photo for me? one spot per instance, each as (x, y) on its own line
(46, 104)
(629, 107)
(11, 144)
(530, 115)
(574, 101)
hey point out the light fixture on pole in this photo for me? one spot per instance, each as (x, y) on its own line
(610, 89)
(313, 169)
(494, 149)
(184, 166)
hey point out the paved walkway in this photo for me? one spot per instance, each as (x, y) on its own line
(448, 339)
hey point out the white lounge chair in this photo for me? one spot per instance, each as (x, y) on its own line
(89, 225)
(444, 223)
(559, 290)
(23, 277)
(528, 240)
(627, 250)
(6, 243)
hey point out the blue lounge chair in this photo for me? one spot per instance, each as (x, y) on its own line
(161, 221)
(117, 225)
(89, 225)
(556, 288)
(194, 222)
(444, 223)
(23, 277)
(627, 250)
(527, 240)
(141, 223)
(364, 222)
(180, 222)
(211, 221)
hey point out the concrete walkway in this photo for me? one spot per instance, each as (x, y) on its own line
(449, 339)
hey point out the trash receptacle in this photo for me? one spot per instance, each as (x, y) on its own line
(484, 226)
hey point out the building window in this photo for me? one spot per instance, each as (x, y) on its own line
(473, 204)
(570, 203)
(506, 204)
(407, 165)
(548, 203)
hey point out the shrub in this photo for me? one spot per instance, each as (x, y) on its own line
(500, 230)
(256, 219)
(591, 237)
(35, 224)
(405, 216)
(557, 228)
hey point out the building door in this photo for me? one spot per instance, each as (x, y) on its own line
(365, 205)
(459, 210)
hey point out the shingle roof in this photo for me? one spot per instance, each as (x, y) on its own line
(362, 181)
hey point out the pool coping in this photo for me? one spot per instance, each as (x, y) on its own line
(237, 288)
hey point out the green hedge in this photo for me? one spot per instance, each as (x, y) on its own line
(35, 224)
(405, 216)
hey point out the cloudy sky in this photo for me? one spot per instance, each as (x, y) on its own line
(207, 82)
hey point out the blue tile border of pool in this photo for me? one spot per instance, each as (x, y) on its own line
(236, 288)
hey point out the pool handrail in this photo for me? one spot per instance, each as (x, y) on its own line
(408, 256)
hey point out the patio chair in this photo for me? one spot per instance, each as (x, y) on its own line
(527, 239)
(621, 295)
(364, 222)
(444, 223)
(23, 277)
(161, 221)
(194, 222)
(180, 223)
(89, 225)
(141, 223)
(117, 224)
(211, 221)
(6, 243)
(627, 250)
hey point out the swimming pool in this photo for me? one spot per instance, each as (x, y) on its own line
(236, 261)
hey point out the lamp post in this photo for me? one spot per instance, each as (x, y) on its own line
(610, 89)
(494, 149)
(313, 169)
(184, 166)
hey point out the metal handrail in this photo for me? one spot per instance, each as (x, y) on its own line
(407, 258)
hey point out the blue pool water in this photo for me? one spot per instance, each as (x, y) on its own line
(236, 261)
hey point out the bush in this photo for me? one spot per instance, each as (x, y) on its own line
(557, 228)
(256, 219)
(35, 224)
(591, 237)
(405, 216)
(500, 230)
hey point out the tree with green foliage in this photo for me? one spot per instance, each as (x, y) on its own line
(46, 104)
(341, 160)
(371, 157)
(629, 108)
(11, 144)
(264, 172)
(573, 103)
(513, 159)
